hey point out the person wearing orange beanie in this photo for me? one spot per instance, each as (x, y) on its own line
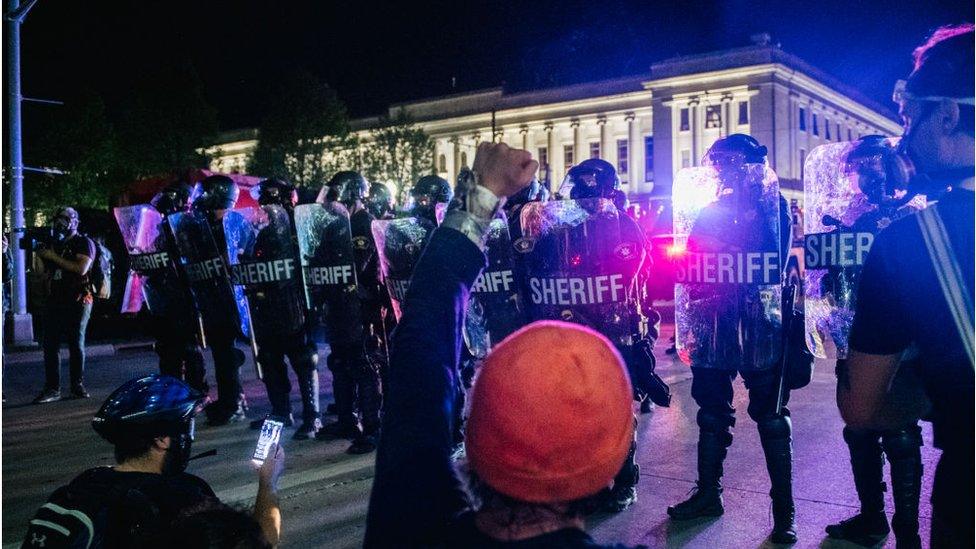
(550, 420)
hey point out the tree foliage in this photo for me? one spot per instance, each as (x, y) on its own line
(305, 120)
(398, 152)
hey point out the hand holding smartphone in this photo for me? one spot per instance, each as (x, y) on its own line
(269, 437)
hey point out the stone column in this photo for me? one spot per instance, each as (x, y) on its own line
(695, 131)
(550, 147)
(633, 137)
(578, 154)
(524, 130)
(456, 167)
(604, 146)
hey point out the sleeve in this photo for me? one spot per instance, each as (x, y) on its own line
(61, 524)
(881, 325)
(416, 491)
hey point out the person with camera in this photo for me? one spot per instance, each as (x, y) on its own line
(67, 259)
(150, 423)
(916, 287)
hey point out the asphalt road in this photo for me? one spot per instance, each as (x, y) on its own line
(325, 491)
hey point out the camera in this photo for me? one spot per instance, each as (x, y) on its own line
(37, 238)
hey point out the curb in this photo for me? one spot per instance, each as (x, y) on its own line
(91, 351)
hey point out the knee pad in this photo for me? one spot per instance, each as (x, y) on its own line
(715, 423)
(903, 443)
(775, 427)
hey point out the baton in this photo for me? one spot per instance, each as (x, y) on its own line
(254, 344)
(789, 298)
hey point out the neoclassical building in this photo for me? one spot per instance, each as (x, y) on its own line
(649, 125)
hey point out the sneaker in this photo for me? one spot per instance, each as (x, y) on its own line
(336, 430)
(363, 444)
(615, 501)
(867, 529)
(48, 395)
(646, 406)
(78, 391)
(308, 429)
(704, 502)
(288, 420)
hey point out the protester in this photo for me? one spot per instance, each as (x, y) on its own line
(917, 285)
(67, 263)
(550, 422)
(150, 422)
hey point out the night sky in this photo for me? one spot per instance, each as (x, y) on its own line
(375, 54)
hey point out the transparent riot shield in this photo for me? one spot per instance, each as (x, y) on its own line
(222, 305)
(399, 243)
(579, 266)
(328, 263)
(728, 298)
(846, 202)
(153, 276)
(495, 307)
(264, 264)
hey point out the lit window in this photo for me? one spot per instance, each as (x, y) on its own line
(816, 126)
(595, 149)
(713, 117)
(649, 158)
(568, 154)
(743, 113)
(803, 119)
(623, 155)
(685, 158)
(464, 160)
(442, 164)
(803, 160)
(685, 119)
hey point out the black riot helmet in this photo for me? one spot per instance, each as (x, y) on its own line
(351, 189)
(591, 178)
(216, 192)
(380, 201)
(432, 189)
(330, 191)
(275, 192)
(149, 407)
(174, 198)
(868, 163)
(734, 150)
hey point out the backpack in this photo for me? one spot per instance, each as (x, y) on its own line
(100, 276)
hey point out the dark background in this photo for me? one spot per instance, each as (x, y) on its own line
(375, 54)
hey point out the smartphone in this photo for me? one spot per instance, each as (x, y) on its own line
(270, 435)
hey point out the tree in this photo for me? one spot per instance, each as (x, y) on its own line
(166, 123)
(398, 152)
(305, 120)
(78, 140)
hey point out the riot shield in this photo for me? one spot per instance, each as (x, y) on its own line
(728, 298)
(328, 264)
(263, 263)
(222, 305)
(495, 307)
(577, 265)
(399, 243)
(840, 224)
(152, 274)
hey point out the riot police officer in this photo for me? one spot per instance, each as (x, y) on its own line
(427, 193)
(876, 205)
(280, 340)
(211, 196)
(175, 321)
(379, 201)
(358, 356)
(738, 220)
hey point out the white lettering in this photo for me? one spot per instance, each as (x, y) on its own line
(729, 268)
(578, 290)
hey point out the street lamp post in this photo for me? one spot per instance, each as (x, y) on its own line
(23, 333)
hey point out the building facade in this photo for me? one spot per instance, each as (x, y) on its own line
(648, 125)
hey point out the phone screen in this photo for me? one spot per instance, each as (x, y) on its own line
(270, 435)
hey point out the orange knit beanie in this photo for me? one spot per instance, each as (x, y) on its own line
(551, 416)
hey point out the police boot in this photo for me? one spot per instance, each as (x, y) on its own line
(777, 444)
(344, 392)
(308, 384)
(623, 494)
(706, 499)
(870, 526)
(903, 450)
